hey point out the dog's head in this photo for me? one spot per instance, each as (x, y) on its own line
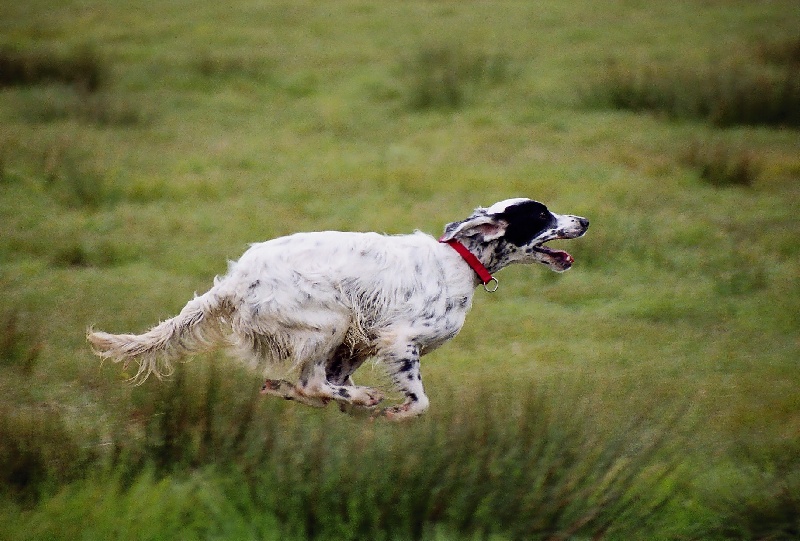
(518, 229)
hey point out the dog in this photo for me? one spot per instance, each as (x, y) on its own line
(328, 301)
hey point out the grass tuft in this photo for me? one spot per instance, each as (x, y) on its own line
(19, 346)
(82, 67)
(219, 65)
(58, 102)
(721, 164)
(74, 180)
(781, 52)
(724, 94)
(446, 77)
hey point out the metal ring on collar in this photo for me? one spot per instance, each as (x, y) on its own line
(486, 286)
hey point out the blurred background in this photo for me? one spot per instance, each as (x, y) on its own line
(649, 393)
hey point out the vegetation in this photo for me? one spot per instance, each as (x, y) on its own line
(649, 393)
(726, 92)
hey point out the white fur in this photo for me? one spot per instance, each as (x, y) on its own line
(326, 302)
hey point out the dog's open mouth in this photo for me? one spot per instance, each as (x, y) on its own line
(556, 259)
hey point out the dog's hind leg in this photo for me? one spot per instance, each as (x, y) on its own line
(315, 388)
(289, 391)
(314, 383)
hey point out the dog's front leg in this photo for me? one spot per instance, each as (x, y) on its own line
(403, 366)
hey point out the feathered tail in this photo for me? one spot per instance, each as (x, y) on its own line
(195, 329)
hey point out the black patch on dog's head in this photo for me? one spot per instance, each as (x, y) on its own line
(526, 220)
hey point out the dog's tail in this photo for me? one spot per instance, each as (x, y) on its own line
(196, 328)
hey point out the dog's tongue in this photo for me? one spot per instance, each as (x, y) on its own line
(561, 254)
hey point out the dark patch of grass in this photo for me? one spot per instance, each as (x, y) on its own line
(781, 52)
(768, 507)
(220, 65)
(72, 177)
(721, 164)
(37, 451)
(58, 102)
(82, 67)
(727, 93)
(5, 150)
(445, 77)
(82, 254)
(19, 345)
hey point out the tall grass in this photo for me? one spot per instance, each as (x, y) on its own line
(721, 164)
(525, 468)
(72, 175)
(19, 345)
(730, 92)
(83, 67)
(448, 77)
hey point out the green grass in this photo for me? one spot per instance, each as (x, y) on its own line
(761, 90)
(649, 393)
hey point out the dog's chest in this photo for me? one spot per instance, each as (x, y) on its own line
(439, 318)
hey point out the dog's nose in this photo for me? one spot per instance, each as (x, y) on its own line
(583, 221)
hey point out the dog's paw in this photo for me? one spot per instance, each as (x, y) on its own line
(373, 397)
(363, 397)
(401, 412)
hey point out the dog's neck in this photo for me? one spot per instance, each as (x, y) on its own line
(494, 255)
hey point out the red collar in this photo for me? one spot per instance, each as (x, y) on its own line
(484, 275)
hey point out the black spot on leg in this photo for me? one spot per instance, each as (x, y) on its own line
(343, 393)
(407, 365)
(333, 372)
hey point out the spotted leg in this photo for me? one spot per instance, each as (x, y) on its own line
(402, 362)
(314, 387)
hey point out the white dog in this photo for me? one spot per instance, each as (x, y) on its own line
(327, 301)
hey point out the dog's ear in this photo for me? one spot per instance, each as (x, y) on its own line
(489, 226)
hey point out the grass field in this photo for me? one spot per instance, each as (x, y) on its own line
(649, 393)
